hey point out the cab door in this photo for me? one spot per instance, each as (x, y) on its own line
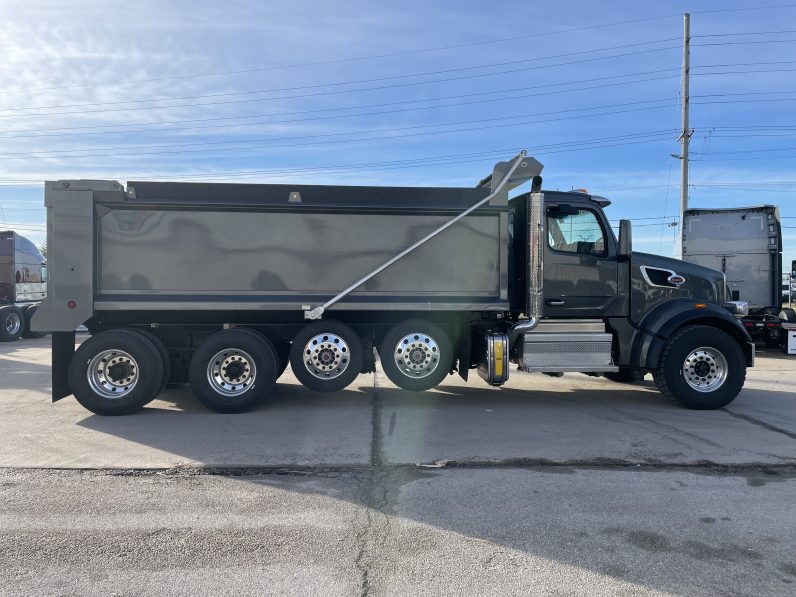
(580, 266)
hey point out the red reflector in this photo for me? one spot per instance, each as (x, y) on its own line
(748, 324)
(772, 325)
(71, 304)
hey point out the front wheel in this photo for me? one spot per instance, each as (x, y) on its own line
(416, 355)
(702, 368)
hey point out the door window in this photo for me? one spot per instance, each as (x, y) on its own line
(579, 232)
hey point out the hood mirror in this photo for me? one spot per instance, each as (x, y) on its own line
(625, 239)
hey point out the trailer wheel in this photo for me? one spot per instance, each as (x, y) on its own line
(326, 356)
(29, 333)
(702, 368)
(788, 315)
(12, 323)
(162, 351)
(115, 373)
(233, 370)
(416, 355)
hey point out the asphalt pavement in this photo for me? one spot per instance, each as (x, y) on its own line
(568, 486)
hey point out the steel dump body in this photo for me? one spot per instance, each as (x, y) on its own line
(205, 247)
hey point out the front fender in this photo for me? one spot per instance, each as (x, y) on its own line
(660, 323)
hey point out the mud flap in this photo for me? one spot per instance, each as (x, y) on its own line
(63, 348)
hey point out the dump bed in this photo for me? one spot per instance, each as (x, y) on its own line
(194, 246)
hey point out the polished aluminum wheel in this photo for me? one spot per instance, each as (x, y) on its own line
(13, 323)
(705, 369)
(326, 356)
(113, 373)
(231, 372)
(417, 355)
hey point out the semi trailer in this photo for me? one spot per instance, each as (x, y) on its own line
(744, 243)
(223, 286)
(23, 277)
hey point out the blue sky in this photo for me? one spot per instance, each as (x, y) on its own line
(410, 93)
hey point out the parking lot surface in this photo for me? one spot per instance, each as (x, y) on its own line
(572, 486)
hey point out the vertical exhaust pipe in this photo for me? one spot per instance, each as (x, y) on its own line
(536, 234)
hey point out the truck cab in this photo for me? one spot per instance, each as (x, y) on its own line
(23, 284)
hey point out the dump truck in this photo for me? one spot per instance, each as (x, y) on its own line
(23, 284)
(222, 286)
(744, 243)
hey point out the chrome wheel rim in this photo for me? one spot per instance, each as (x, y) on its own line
(705, 369)
(326, 356)
(13, 323)
(417, 355)
(113, 374)
(231, 372)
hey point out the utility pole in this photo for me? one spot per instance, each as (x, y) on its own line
(685, 135)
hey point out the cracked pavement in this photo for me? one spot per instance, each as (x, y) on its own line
(573, 486)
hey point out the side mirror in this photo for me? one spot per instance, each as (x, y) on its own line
(625, 239)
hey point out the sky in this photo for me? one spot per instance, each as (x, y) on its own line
(414, 93)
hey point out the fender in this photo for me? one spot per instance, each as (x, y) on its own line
(660, 323)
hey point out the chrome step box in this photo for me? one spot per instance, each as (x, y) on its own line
(553, 352)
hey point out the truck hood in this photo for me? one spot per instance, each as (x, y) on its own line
(655, 279)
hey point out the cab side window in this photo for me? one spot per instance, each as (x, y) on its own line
(579, 232)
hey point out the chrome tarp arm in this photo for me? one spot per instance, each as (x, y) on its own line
(532, 167)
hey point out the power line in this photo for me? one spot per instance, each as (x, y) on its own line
(340, 83)
(13, 134)
(118, 151)
(736, 33)
(335, 92)
(534, 35)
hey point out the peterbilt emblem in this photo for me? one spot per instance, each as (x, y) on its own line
(676, 279)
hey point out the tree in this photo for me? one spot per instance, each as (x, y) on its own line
(43, 249)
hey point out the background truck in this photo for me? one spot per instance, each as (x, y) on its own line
(223, 285)
(23, 284)
(745, 244)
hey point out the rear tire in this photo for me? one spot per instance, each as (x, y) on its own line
(162, 351)
(29, 333)
(702, 368)
(326, 356)
(233, 370)
(416, 355)
(12, 323)
(788, 315)
(115, 373)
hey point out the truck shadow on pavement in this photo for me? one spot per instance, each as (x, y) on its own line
(494, 479)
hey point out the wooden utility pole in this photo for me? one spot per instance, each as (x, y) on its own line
(685, 135)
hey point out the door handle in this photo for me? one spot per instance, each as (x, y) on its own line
(554, 302)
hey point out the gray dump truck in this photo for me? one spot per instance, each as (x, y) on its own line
(223, 285)
(23, 284)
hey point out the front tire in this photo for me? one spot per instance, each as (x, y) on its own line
(12, 323)
(702, 368)
(233, 370)
(416, 355)
(115, 373)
